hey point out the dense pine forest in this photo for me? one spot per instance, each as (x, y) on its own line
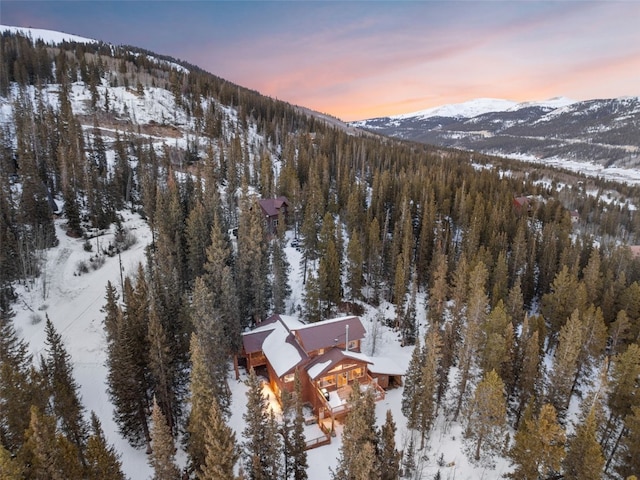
(531, 306)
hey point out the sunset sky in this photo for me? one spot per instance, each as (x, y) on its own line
(362, 59)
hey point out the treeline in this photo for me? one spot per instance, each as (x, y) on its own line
(377, 220)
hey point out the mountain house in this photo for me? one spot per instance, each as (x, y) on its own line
(326, 356)
(271, 209)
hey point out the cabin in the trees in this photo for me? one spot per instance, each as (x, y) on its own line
(271, 209)
(326, 356)
(522, 204)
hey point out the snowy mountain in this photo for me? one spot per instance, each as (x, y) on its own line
(47, 36)
(556, 131)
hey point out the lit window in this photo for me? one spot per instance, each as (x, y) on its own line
(289, 377)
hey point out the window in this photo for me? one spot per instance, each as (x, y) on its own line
(289, 378)
(353, 345)
(327, 381)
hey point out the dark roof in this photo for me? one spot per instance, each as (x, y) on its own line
(328, 360)
(271, 206)
(329, 333)
(252, 341)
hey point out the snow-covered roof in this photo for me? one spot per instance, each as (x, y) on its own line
(281, 350)
(385, 366)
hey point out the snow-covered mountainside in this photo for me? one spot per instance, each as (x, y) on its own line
(600, 131)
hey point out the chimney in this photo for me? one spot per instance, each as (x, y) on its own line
(346, 338)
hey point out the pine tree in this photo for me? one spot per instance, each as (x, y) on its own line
(262, 446)
(529, 362)
(198, 228)
(567, 294)
(486, 418)
(200, 396)
(281, 268)
(18, 388)
(312, 307)
(412, 382)
(628, 459)
(565, 364)
(47, 454)
(66, 405)
(103, 463)
(128, 378)
(409, 460)
(162, 371)
(162, 457)
(355, 260)
(10, 469)
(212, 341)
(329, 270)
(584, 460)
(358, 457)
(476, 310)
(388, 456)
(438, 291)
(221, 449)
(292, 429)
(252, 264)
(539, 447)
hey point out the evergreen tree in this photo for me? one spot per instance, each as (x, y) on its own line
(539, 447)
(47, 454)
(358, 458)
(355, 259)
(252, 264)
(565, 364)
(412, 379)
(389, 457)
(409, 460)
(628, 459)
(567, 294)
(162, 371)
(103, 463)
(10, 469)
(487, 418)
(312, 309)
(221, 450)
(162, 457)
(438, 291)
(200, 396)
(529, 362)
(63, 390)
(18, 387)
(329, 270)
(584, 460)
(281, 268)
(128, 377)
(262, 446)
(294, 443)
(213, 345)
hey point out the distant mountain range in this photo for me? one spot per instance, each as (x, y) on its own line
(604, 131)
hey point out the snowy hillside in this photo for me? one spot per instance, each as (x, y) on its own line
(47, 36)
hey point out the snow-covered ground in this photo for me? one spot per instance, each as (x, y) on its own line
(73, 303)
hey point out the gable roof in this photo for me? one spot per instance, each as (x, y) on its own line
(271, 206)
(286, 342)
(328, 360)
(282, 350)
(329, 333)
